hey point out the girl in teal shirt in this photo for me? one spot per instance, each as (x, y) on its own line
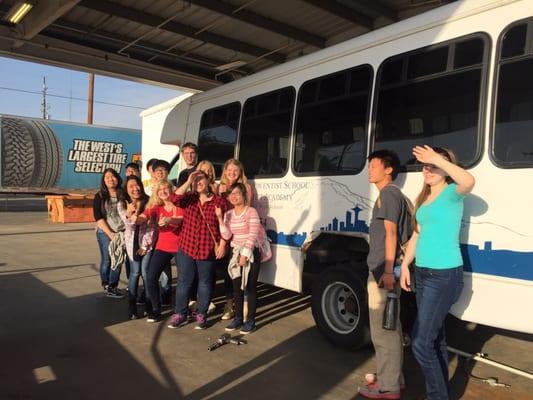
(439, 265)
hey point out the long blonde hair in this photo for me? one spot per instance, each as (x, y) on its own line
(211, 169)
(426, 190)
(242, 178)
(155, 200)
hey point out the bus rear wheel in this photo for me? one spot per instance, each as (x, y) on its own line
(340, 309)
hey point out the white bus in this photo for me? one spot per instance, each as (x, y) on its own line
(459, 76)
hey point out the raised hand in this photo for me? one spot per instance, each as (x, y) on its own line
(131, 208)
(426, 155)
(163, 221)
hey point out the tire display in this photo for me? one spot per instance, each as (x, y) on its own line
(340, 307)
(32, 155)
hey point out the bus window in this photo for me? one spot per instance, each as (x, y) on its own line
(331, 124)
(437, 102)
(512, 144)
(218, 133)
(264, 134)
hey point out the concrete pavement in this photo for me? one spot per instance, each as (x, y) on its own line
(61, 338)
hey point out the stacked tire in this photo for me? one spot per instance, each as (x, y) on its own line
(32, 155)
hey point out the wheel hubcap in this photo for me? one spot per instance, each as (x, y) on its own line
(340, 307)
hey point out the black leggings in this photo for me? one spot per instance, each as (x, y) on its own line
(159, 261)
(251, 290)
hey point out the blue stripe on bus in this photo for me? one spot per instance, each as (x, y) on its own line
(504, 263)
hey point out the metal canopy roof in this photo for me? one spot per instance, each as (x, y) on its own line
(194, 44)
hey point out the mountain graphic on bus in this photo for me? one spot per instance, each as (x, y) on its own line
(504, 263)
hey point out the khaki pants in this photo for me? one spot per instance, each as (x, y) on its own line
(387, 344)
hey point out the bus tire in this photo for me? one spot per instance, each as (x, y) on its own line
(18, 158)
(340, 308)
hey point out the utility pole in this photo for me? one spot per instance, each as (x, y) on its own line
(45, 107)
(90, 99)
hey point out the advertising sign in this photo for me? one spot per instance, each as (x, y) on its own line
(39, 153)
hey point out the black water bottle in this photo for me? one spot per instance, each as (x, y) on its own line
(390, 314)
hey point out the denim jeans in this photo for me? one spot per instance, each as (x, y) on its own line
(138, 268)
(108, 276)
(436, 291)
(187, 269)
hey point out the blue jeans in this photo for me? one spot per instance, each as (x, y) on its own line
(108, 276)
(138, 268)
(436, 291)
(187, 269)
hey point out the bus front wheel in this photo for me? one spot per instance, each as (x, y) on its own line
(340, 309)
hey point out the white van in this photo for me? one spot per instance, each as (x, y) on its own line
(459, 76)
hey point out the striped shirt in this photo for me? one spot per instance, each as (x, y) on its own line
(244, 230)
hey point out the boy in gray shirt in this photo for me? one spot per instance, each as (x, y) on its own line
(390, 215)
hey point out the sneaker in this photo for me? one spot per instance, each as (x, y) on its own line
(372, 381)
(228, 311)
(177, 320)
(201, 321)
(192, 305)
(133, 317)
(153, 318)
(372, 391)
(211, 309)
(114, 293)
(248, 327)
(235, 324)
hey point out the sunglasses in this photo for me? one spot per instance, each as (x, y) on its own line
(429, 166)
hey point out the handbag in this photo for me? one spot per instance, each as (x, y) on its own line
(264, 247)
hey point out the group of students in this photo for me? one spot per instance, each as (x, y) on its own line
(432, 229)
(199, 222)
(204, 224)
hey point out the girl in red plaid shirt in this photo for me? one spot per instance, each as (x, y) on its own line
(200, 245)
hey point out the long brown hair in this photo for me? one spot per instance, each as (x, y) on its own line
(426, 190)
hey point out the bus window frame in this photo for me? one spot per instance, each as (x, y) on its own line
(495, 92)
(238, 146)
(367, 124)
(237, 130)
(483, 95)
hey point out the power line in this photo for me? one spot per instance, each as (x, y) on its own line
(71, 98)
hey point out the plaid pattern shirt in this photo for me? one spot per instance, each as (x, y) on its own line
(195, 239)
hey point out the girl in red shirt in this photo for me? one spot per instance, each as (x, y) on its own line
(162, 212)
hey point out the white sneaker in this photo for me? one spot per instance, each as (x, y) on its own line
(228, 311)
(192, 305)
(211, 309)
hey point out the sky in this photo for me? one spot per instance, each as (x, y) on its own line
(128, 98)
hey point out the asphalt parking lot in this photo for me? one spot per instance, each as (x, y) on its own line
(61, 338)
